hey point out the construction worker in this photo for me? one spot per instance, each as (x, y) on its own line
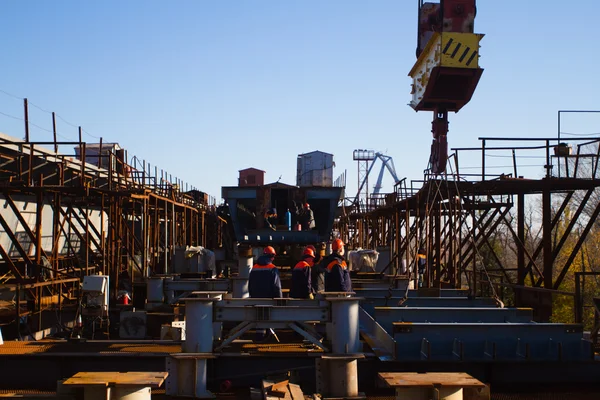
(306, 218)
(318, 276)
(301, 276)
(421, 264)
(316, 253)
(270, 219)
(264, 281)
(337, 276)
(317, 272)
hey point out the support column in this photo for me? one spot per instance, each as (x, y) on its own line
(547, 238)
(423, 393)
(217, 296)
(240, 282)
(345, 330)
(130, 393)
(337, 375)
(187, 370)
(198, 325)
(520, 247)
(545, 308)
(438, 247)
(154, 292)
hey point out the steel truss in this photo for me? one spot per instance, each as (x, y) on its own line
(454, 216)
(86, 220)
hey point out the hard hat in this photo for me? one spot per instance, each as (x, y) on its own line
(306, 205)
(269, 251)
(308, 252)
(337, 244)
(310, 246)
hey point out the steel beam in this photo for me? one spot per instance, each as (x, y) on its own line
(492, 342)
(24, 224)
(582, 237)
(271, 313)
(386, 316)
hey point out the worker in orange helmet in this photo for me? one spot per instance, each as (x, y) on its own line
(306, 218)
(317, 253)
(337, 276)
(301, 276)
(264, 281)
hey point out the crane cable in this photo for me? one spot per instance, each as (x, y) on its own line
(475, 248)
(419, 239)
(471, 237)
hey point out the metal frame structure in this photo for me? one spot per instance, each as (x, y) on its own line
(453, 217)
(128, 216)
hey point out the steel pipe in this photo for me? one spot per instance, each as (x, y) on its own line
(187, 376)
(345, 335)
(130, 393)
(343, 377)
(198, 325)
(240, 283)
(217, 296)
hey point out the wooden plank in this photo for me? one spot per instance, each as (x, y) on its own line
(280, 394)
(296, 392)
(151, 379)
(280, 385)
(412, 379)
(265, 388)
(276, 390)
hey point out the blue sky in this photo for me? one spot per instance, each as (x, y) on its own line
(205, 88)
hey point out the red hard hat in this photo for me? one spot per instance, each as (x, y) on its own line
(308, 252)
(306, 205)
(269, 251)
(337, 244)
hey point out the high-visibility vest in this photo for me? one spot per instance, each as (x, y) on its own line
(302, 264)
(334, 263)
(268, 266)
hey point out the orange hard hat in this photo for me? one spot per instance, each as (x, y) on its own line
(269, 251)
(308, 252)
(337, 244)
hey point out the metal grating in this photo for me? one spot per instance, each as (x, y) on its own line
(280, 348)
(46, 347)
(20, 392)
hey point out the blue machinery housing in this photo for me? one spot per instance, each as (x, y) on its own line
(247, 206)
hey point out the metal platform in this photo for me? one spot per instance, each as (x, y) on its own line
(90, 348)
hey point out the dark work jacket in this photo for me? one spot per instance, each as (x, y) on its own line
(306, 218)
(318, 275)
(264, 281)
(337, 277)
(421, 262)
(301, 279)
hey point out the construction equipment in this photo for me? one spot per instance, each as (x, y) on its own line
(367, 160)
(447, 69)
